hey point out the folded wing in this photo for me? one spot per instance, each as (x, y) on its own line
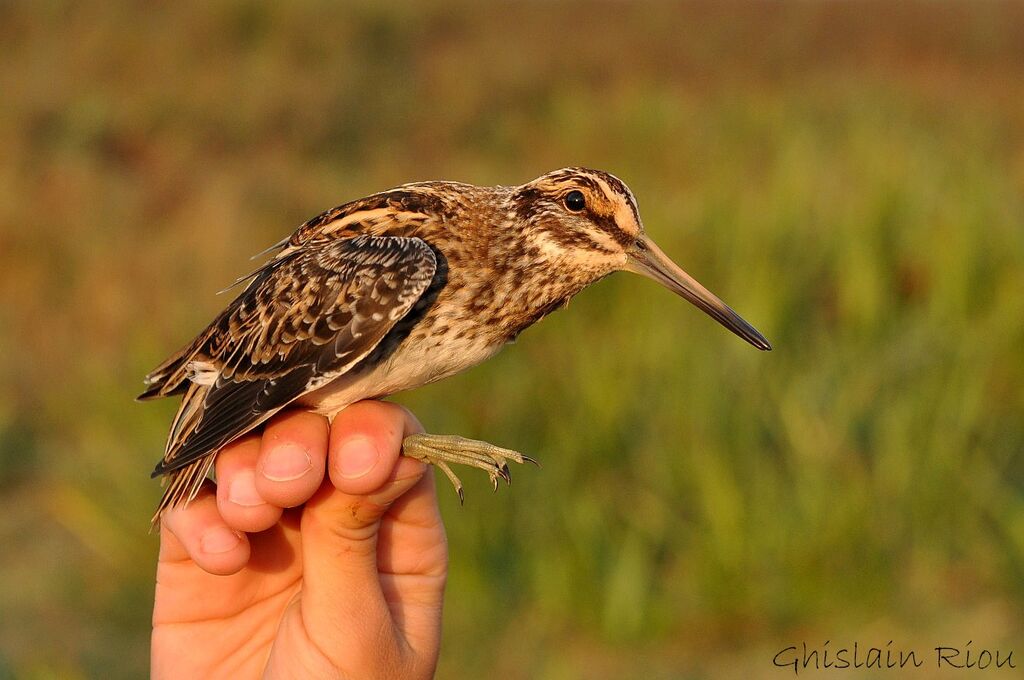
(306, 318)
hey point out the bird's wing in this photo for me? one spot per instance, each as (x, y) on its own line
(305, 319)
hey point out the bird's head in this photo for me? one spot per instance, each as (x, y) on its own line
(587, 220)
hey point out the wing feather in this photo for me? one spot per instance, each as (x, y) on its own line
(305, 319)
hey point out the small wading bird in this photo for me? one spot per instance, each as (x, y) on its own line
(398, 290)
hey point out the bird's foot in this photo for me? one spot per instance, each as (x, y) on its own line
(442, 449)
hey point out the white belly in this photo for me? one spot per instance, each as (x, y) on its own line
(412, 365)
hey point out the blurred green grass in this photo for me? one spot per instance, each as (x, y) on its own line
(850, 177)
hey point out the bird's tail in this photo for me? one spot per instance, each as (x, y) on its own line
(182, 484)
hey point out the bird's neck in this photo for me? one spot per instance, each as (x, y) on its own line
(520, 283)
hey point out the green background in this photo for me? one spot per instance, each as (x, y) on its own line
(850, 177)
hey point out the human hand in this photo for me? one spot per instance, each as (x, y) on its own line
(281, 571)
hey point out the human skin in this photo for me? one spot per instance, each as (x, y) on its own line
(320, 553)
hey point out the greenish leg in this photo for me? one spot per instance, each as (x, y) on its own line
(442, 449)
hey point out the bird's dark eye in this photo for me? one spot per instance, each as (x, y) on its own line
(575, 201)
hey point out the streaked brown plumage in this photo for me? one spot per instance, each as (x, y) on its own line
(398, 290)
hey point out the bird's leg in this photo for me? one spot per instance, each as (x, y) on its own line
(442, 449)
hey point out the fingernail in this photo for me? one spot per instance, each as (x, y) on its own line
(243, 490)
(286, 462)
(358, 456)
(218, 540)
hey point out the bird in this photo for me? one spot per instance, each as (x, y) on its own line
(397, 290)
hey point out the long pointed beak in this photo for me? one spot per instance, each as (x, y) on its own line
(647, 258)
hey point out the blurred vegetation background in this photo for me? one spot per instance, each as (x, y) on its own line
(849, 176)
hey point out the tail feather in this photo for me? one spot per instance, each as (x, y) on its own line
(171, 376)
(159, 390)
(210, 417)
(186, 420)
(183, 485)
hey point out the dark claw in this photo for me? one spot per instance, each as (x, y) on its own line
(462, 495)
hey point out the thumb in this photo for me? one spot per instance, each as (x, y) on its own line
(343, 605)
